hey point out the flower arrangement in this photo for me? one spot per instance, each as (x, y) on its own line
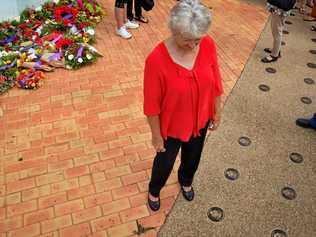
(57, 34)
(80, 54)
(30, 79)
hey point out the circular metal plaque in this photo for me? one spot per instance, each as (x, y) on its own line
(278, 233)
(296, 157)
(270, 70)
(288, 193)
(285, 32)
(264, 88)
(244, 141)
(311, 65)
(306, 100)
(288, 22)
(309, 81)
(312, 51)
(215, 214)
(231, 174)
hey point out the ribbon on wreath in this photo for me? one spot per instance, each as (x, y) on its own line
(8, 40)
(5, 67)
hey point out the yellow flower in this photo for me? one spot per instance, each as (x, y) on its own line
(85, 39)
(23, 55)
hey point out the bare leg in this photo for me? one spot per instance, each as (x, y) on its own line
(120, 17)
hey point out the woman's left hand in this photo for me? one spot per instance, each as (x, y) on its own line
(214, 124)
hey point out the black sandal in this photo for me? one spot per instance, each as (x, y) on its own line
(141, 19)
(154, 205)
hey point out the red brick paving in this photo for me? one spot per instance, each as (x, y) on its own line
(76, 154)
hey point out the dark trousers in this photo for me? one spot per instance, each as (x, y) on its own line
(164, 161)
(137, 8)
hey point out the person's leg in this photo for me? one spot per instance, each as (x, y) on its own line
(138, 8)
(302, 6)
(312, 16)
(277, 25)
(138, 12)
(190, 158)
(120, 17)
(313, 13)
(129, 10)
(162, 166)
(119, 13)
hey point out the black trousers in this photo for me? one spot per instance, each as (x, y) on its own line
(164, 161)
(137, 8)
(120, 3)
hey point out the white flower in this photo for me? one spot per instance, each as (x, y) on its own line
(68, 67)
(32, 56)
(56, 1)
(39, 30)
(91, 31)
(80, 60)
(38, 9)
(70, 57)
(17, 18)
(3, 53)
(89, 56)
(74, 30)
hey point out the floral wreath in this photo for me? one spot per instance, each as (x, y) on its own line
(66, 15)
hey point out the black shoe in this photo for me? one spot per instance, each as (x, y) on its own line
(269, 59)
(154, 205)
(267, 50)
(188, 195)
(141, 19)
(304, 123)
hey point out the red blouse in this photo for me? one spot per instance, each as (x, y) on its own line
(184, 99)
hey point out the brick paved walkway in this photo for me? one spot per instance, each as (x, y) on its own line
(76, 154)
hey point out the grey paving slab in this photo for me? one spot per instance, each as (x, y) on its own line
(253, 204)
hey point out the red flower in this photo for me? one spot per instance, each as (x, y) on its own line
(84, 25)
(2, 79)
(52, 36)
(63, 43)
(66, 15)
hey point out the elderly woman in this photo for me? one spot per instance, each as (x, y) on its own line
(182, 88)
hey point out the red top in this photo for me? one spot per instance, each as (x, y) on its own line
(184, 99)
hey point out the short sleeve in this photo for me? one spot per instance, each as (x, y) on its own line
(152, 88)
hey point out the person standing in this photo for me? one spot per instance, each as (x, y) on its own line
(278, 14)
(122, 23)
(182, 96)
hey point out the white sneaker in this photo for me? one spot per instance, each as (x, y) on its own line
(131, 25)
(123, 33)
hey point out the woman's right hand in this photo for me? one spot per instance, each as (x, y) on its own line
(158, 143)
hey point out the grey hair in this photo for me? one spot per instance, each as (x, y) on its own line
(191, 17)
